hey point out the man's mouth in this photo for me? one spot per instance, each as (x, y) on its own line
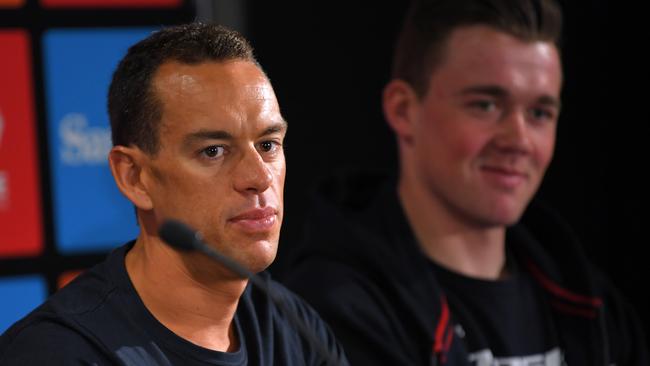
(256, 220)
(505, 177)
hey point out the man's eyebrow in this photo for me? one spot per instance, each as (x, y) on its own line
(497, 91)
(492, 90)
(223, 135)
(206, 135)
(275, 128)
(549, 101)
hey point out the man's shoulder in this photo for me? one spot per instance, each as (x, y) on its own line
(338, 281)
(363, 257)
(85, 294)
(360, 230)
(375, 318)
(353, 301)
(327, 277)
(280, 316)
(43, 338)
(63, 324)
(278, 300)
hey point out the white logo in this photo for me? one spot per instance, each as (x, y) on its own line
(4, 177)
(4, 190)
(82, 144)
(2, 127)
(554, 357)
(460, 332)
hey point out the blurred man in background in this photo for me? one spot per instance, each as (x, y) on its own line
(442, 266)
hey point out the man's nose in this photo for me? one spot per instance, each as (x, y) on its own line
(252, 173)
(513, 135)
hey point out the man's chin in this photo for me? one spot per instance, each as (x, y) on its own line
(260, 264)
(497, 216)
(258, 256)
(506, 217)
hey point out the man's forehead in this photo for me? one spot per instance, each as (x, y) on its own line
(225, 77)
(231, 96)
(482, 40)
(481, 55)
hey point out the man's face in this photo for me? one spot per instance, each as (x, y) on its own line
(220, 167)
(485, 131)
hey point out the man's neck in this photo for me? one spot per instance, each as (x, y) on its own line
(186, 293)
(449, 239)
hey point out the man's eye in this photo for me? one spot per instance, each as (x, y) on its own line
(213, 151)
(483, 105)
(268, 146)
(541, 114)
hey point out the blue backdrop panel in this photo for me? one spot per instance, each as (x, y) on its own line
(20, 295)
(90, 214)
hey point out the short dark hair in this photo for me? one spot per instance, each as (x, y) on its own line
(133, 107)
(428, 24)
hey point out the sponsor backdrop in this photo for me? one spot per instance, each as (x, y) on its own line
(59, 208)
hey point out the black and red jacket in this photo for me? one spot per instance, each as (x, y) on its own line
(360, 267)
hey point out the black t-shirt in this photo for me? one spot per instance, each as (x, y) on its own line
(501, 322)
(99, 319)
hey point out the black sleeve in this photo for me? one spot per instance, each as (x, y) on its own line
(316, 326)
(368, 330)
(48, 343)
(628, 343)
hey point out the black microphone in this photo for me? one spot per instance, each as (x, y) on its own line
(182, 237)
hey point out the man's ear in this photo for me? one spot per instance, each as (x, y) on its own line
(128, 171)
(400, 102)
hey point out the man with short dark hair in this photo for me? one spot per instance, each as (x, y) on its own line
(438, 268)
(198, 137)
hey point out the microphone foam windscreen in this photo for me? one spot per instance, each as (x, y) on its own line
(178, 235)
